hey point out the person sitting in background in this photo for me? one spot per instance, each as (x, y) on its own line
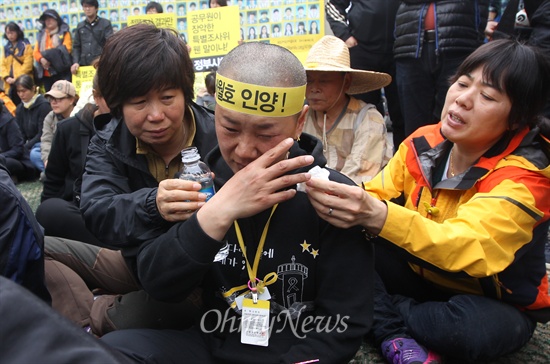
(8, 103)
(30, 115)
(146, 77)
(207, 96)
(59, 211)
(299, 267)
(62, 97)
(461, 260)
(353, 132)
(12, 147)
(55, 35)
(17, 59)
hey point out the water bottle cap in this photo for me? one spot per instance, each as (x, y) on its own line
(190, 154)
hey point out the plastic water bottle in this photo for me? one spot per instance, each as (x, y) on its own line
(197, 171)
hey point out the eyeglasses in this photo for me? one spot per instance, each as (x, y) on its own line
(52, 99)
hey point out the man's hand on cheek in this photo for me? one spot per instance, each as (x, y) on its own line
(260, 185)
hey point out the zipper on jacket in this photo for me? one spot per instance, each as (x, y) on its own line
(431, 209)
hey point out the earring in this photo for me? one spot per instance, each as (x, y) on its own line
(297, 138)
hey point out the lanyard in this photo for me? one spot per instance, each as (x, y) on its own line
(254, 284)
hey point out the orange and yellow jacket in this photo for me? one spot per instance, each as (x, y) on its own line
(481, 232)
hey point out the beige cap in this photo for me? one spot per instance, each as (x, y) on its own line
(62, 88)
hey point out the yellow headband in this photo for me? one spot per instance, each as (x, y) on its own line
(259, 100)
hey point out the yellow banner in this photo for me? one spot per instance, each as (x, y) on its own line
(212, 34)
(164, 20)
(83, 80)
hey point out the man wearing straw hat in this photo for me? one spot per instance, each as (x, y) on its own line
(353, 132)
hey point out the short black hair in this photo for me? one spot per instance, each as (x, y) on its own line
(520, 71)
(93, 3)
(141, 58)
(14, 28)
(25, 81)
(210, 82)
(154, 5)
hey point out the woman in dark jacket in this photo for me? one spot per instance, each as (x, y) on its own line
(30, 113)
(131, 163)
(59, 211)
(11, 147)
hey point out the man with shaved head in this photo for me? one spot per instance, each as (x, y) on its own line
(279, 283)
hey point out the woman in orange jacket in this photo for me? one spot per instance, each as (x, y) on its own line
(55, 33)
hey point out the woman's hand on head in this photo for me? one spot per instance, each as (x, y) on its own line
(177, 199)
(345, 206)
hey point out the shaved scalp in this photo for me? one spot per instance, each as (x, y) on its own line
(263, 64)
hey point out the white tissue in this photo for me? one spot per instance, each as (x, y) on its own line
(316, 172)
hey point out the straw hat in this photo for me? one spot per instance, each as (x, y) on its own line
(331, 54)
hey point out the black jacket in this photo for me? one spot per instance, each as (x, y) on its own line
(21, 240)
(68, 155)
(118, 200)
(459, 25)
(313, 261)
(371, 22)
(89, 39)
(538, 34)
(11, 141)
(31, 120)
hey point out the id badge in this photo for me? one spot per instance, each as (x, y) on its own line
(255, 322)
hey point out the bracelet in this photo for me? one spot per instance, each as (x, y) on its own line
(368, 235)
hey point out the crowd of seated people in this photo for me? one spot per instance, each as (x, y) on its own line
(122, 248)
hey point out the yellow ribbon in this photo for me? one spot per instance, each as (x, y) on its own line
(269, 278)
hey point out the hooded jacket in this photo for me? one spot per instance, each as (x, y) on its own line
(68, 155)
(31, 120)
(482, 232)
(324, 273)
(118, 200)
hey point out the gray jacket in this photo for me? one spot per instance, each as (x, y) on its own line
(89, 39)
